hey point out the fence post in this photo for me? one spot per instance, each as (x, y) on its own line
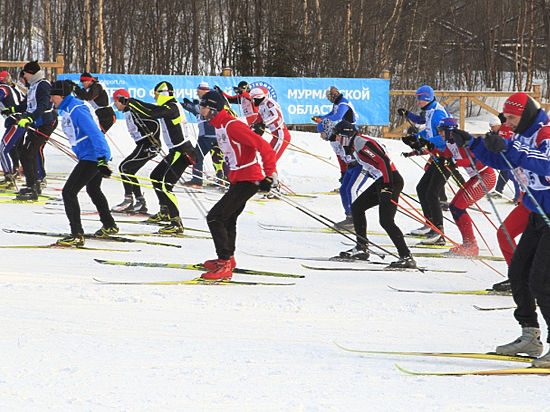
(462, 111)
(385, 76)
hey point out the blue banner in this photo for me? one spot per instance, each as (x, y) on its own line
(300, 98)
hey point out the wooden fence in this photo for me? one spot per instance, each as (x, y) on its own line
(57, 65)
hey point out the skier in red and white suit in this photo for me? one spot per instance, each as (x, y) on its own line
(242, 97)
(269, 112)
(469, 193)
(240, 145)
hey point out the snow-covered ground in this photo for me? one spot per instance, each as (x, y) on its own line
(68, 343)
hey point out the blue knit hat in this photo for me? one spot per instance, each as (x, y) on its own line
(425, 93)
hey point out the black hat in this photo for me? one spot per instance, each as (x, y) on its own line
(212, 100)
(31, 67)
(61, 88)
(345, 128)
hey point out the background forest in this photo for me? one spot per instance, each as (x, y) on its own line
(450, 44)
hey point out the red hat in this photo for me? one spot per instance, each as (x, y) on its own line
(121, 93)
(3, 75)
(86, 77)
(515, 104)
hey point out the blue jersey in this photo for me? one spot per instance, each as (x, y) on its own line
(433, 113)
(81, 126)
(530, 151)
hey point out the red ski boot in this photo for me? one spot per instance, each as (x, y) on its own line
(222, 271)
(213, 263)
(465, 250)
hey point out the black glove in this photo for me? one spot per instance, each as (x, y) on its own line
(386, 194)
(425, 143)
(413, 153)
(412, 130)
(186, 100)
(409, 139)
(196, 101)
(258, 128)
(342, 174)
(460, 137)
(103, 167)
(217, 88)
(402, 112)
(494, 143)
(237, 90)
(269, 181)
(8, 111)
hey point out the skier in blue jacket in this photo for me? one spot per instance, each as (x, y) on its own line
(528, 148)
(81, 126)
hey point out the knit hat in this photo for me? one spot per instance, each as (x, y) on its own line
(3, 76)
(61, 88)
(521, 104)
(425, 93)
(121, 93)
(31, 67)
(212, 100)
(203, 86)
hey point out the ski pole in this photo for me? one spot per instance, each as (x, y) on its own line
(342, 231)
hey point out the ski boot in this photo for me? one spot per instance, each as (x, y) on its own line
(421, 231)
(8, 183)
(347, 223)
(464, 250)
(503, 286)
(72, 240)
(406, 262)
(174, 228)
(542, 362)
(140, 206)
(528, 343)
(27, 194)
(161, 216)
(106, 231)
(359, 252)
(127, 205)
(222, 271)
(214, 263)
(434, 238)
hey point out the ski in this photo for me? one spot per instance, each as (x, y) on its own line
(109, 238)
(385, 269)
(493, 308)
(56, 246)
(449, 255)
(197, 266)
(469, 355)
(283, 228)
(156, 234)
(316, 258)
(455, 292)
(144, 222)
(518, 371)
(196, 281)
(30, 202)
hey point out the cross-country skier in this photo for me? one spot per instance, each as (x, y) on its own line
(384, 193)
(38, 112)
(240, 145)
(181, 153)
(242, 97)
(432, 183)
(10, 97)
(94, 92)
(271, 115)
(469, 193)
(529, 148)
(145, 132)
(81, 126)
(206, 142)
